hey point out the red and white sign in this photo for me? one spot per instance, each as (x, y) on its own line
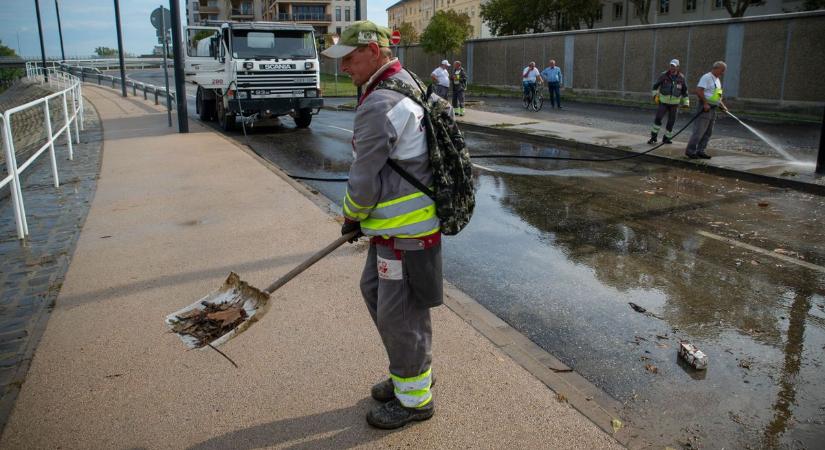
(396, 37)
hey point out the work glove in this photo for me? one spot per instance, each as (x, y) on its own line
(348, 227)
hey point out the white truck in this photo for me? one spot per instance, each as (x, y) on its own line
(254, 71)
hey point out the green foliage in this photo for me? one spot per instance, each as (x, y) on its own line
(508, 17)
(811, 5)
(8, 74)
(106, 52)
(642, 10)
(446, 33)
(737, 8)
(408, 34)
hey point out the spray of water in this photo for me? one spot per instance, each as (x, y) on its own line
(778, 148)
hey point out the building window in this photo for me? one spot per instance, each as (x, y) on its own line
(338, 31)
(347, 15)
(690, 5)
(308, 12)
(664, 6)
(618, 11)
(196, 6)
(337, 13)
(598, 17)
(718, 4)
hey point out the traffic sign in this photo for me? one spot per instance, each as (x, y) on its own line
(396, 37)
(155, 18)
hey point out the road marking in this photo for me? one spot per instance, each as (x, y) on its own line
(762, 251)
(339, 128)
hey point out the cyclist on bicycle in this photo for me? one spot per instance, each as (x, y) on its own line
(529, 76)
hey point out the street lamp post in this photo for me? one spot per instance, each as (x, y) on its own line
(59, 29)
(177, 50)
(42, 47)
(120, 49)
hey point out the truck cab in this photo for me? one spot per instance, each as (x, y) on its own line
(253, 71)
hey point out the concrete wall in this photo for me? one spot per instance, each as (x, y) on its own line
(773, 60)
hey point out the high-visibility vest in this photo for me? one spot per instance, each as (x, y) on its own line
(409, 216)
(716, 97)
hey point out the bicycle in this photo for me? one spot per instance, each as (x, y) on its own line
(535, 100)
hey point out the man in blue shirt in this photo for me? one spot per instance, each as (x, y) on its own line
(552, 74)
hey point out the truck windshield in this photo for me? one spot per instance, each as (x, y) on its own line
(272, 44)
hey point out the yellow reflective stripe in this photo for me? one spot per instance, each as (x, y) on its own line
(423, 376)
(414, 401)
(354, 215)
(716, 97)
(399, 199)
(426, 233)
(349, 199)
(409, 218)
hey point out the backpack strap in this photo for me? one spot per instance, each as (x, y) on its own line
(394, 165)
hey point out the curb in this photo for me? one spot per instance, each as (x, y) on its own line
(810, 188)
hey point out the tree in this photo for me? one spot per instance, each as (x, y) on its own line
(408, 34)
(507, 17)
(9, 74)
(737, 8)
(106, 52)
(643, 10)
(446, 32)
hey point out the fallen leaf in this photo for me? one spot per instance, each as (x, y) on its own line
(651, 368)
(616, 424)
(660, 345)
(650, 192)
(227, 316)
(561, 398)
(105, 237)
(763, 204)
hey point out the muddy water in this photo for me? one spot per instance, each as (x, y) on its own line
(558, 249)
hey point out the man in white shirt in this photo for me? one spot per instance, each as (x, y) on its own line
(709, 91)
(529, 77)
(441, 79)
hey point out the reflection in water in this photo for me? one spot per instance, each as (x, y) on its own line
(793, 358)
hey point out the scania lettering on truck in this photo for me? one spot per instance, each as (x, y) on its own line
(253, 71)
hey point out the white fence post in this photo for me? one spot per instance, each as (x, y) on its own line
(68, 127)
(16, 193)
(74, 112)
(51, 141)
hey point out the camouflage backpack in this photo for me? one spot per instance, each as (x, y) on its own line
(453, 191)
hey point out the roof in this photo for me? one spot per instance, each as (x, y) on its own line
(395, 4)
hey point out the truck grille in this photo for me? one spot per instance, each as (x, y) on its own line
(281, 82)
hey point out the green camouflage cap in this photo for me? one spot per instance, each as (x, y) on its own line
(357, 35)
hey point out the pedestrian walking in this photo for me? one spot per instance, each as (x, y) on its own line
(552, 75)
(709, 91)
(459, 80)
(529, 76)
(669, 92)
(441, 80)
(402, 277)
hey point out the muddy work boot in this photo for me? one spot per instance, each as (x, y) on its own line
(384, 391)
(652, 138)
(393, 414)
(666, 140)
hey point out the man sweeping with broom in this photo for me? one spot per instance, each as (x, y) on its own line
(402, 277)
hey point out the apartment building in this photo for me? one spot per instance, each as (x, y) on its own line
(327, 16)
(617, 13)
(419, 12)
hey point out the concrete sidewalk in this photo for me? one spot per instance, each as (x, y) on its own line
(760, 168)
(173, 214)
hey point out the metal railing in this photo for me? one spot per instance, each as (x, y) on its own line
(69, 93)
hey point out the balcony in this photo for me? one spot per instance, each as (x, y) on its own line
(243, 12)
(312, 18)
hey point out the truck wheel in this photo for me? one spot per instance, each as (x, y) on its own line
(205, 108)
(226, 120)
(303, 118)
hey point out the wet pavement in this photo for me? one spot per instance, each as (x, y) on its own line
(32, 271)
(799, 139)
(559, 250)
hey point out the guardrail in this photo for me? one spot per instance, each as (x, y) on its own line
(69, 86)
(92, 73)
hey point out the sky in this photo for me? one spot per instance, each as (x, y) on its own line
(88, 24)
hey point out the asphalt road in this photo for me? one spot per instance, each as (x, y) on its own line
(559, 250)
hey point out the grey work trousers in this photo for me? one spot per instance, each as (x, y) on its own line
(441, 91)
(702, 130)
(671, 111)
(458, 97)
(398, 287)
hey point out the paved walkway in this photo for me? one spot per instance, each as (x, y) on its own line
(173, 214)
